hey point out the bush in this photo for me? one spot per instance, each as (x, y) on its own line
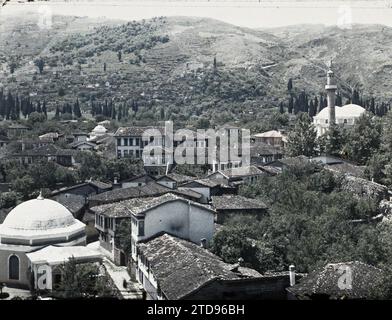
(4, 295)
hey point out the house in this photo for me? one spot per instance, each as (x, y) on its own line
(64, 157)
(205, 187)
(131, 142)
(344, 280)
(50, 136)
(83, 145)
(85, 189)
(75, 203)
(16, 130)
(173, 180)
(236, 176)
(227, 206)
(340, 166)
(53, 257)
(262, 153)
(34, 143)
(108, 218)
(171, 268)
(233, 136)
(80, 136)
(152, 215)
(137, 181)
(4, 141)
(273, 138)
(288, 162)
(150, 189)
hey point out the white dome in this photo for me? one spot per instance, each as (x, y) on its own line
(99, 129)
(39, 214)
(347, 111)
(41, 220)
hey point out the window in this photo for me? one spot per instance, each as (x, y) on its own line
(125, 142)
(131, 141)
(137, 154)
(118, 153)
(119, 142)
(141, 228)
(125, 153)
(137, 141)
(131, 153)
(13, 268)
(345, 121)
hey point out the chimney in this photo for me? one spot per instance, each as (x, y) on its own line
(292, 275)
(203, 243)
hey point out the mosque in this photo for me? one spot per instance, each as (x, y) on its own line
(33, 234)
(344, 116)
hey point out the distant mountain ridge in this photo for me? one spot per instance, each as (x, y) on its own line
(192, 66)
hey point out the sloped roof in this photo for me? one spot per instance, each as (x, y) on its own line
(325, 281)
(241, 172)
(260, 149)
(179, 178)
(138, 206)
(269, 134)
(136, 131)
(235, 202)
(181, 267)
(73, 202)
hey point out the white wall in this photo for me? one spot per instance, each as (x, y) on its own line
(179, 219)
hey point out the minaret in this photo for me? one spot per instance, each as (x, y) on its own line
(331, 95)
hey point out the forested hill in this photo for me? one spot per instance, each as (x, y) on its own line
(187, 68)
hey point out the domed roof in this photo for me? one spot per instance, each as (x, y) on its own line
(99, 129)
(346, 111)
(39, 214)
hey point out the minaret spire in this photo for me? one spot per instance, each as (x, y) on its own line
(331, 95)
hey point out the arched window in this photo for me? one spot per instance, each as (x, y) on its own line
(13, 267)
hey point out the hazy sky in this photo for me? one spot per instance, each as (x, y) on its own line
(243, 13)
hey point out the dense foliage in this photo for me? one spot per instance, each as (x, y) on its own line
(311, 222)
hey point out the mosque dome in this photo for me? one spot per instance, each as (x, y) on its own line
(99, 129)
(41, 219)
(346, 111)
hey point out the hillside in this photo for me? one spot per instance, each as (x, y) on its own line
(168, 63)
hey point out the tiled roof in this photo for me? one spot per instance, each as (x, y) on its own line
(235, 202)
(136, 131)
(325, 281)
(181, 267)
(140, 205)
(46, 150)
(72, 202)
(179, 178)
(115, 195)
(260, 149)
(241, 172)
(269, 134)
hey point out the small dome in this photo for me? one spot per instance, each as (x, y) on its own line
(99, 129)
(39, 214)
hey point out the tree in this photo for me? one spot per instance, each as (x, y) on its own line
(302, 140)
(82, 281)
(40, 63)
(231, 245)
(290, 85)
(363, 139)
(36, 117)
(333, 141)
(123, 241)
